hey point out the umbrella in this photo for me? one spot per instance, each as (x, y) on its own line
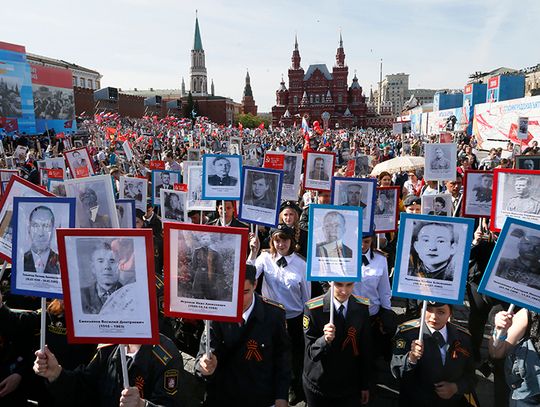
(397, 164)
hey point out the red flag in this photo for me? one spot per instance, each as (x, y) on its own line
(110, 131)
(261, 126)
(240, 127)
(121, 137)
(68, 124)
(60, 135)
(2, 122)
(11, 125)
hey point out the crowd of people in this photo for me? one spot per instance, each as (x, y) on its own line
(285, 350)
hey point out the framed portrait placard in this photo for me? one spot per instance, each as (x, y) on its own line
(5, 176)
(221, 176)
(126, 145)
(528, 162)
(204, 268)
(361, 166)
(134, 188)
(109, 285)
(235, 146)
(173, 205)
(193, 154)
(512, 274)
(432, 259)
(16, 187)
(125, 209)
(440, 161)
(291, 165)
(95, 206)
(334, 243)
(194, 198)
(477, 193)
(260, 200)
(319, 169)
(79, 162)
(356, 192)
(385, 214)
(36, 266)
(516, 193)
(437, 204)
(163, 179)
(185, 169)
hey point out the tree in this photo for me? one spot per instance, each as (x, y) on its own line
(250, 122)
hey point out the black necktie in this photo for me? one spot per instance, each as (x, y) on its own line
(365, 260)
(282, 262)
(340, 316)
(438, 338)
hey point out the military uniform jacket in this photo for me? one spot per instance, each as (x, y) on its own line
(155, 371)
(254, 360)
(342, 367)
(417, 381)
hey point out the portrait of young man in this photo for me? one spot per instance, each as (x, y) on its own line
(261, 193)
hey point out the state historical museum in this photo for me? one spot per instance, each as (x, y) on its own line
(320, 95)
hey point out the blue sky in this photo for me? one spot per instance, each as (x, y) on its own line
(147, 43)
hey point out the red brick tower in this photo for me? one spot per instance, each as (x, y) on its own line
(248, 104)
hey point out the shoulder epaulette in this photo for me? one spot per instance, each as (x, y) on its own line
(460, 328)
(159, 282)
(104, 345)
(408, 325)
(272, 302)
(315, 302)
(161, 354)
(361, 300)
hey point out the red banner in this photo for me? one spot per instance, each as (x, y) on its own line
(350, 168)
(180, 187)
(81, 172)
(57, 173)
(157, 165)
(274, 161)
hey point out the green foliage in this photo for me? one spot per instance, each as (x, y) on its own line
(250, 121)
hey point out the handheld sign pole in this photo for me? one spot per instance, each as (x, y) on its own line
(201, 218)
(43, 324)
(331, 302)
(123, 362)
(207, 332)
(3, 269)
(422, 319)
(498, 335)
(223, 212)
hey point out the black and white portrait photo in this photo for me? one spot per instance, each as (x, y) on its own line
(95, 201)
(517, 194)
(437, 204)
(134, 188)
(162, 179)
(333, 254)
(36, 265)
(478, 193)
(110, 294)
(386, 209)
(319, 171)
(433, 256)
(440, 161)
(57, 187)
(194, 193)
(80, 164)
(356, 192)
(361, 167)
(125, 209)
(221, 176)
(235, 146)
(173, 206)
(292, 170)
(204, 266)
(193, 154)
(261, 190)
(512, 273)
(528, 162)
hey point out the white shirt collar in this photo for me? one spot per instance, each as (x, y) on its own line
(337, 304)
(443, 331)
(247, 313)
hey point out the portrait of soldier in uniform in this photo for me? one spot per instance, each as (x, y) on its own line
(522, 200)
(318, 172)
(483, 190)
(221, 177)
(440, 162)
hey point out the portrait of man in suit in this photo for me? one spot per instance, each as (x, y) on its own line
(354, 196)
(318, 172)
(104, 267)
(260, 192)
(334, 230)
(221, 177)
(165, 182)
(41, 258)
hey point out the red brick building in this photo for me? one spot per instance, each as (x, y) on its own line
(320, 95)
(248, 103)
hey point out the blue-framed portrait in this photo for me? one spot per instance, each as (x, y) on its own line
(357, 192)
(432, 259)
(513, 271)
(125, 208)
(334, 243)
(222, 174)
(36, 265)
(261, 195)
(163, 179)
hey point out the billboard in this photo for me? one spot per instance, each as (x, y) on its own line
(16, 104)
(497, 123)
(54, 103)
(447, 120)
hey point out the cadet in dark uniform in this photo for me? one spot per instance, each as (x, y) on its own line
(250, 363)
(439, 370)
(337, 358)
(154, 372)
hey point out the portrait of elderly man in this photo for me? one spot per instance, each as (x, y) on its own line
(260, 193)
(41, 258)
(334, 230)
(522, 201)
(104, 267)
(433, 249)
(524, 269)
(354, 195)
(90, 217)
(440, 162)
(221, 177)
(318, 172)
